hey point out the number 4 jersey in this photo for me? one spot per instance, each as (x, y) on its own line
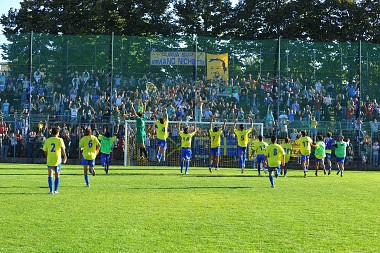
(53, 146)
(88, 143)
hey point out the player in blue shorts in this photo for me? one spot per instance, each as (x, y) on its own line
(90, 146)
(275, 157)
(215, 139)
(329, 142)
(340, 153)
(162, 135)
(186, 137)
(259, 150)
(243, 139)
(54, 149)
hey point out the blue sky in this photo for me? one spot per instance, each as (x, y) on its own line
(5, 5)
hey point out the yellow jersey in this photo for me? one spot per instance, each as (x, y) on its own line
(259, 147)
(53, 146)
(305, 145)
(242, 136)
(215, 138)
(275, 155)
(88, 144)
(186, 139)
(162, 130)
(288, 149)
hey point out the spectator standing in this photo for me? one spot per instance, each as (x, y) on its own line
(375, 153)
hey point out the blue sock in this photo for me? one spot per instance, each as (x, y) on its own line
(271, 180)
(307, 167)
(285, 171)
(210, 166)
(50, 182)
(329, 167)
(86, 179)
(160, 157)
(182, 165)
(259, 168)
(56, 183)
(244, 159)
(241, 162)
(187, 165)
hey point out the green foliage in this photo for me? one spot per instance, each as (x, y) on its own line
(138, 209)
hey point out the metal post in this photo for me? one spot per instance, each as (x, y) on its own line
(359, 86)
(30, 76)
(195, 77)
(278, 86)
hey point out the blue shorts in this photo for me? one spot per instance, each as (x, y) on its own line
(215, 151)
(90, 163)
(57, 169)
(317, 160)
(242, 150)
(161, 143)
(260, 158)
(105, 159)
(328, 156)
(305, 157)
(186, 153)
(339, 160)
(275, 169)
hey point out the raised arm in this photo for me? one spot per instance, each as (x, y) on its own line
(211, 123)
(133, 110)
(250, 121)
(144, 108)
(224, 124)
(235, 123)
(167, 116)
(179, 126)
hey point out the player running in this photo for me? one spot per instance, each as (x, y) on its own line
(106, 143)
(288, 149)
(305, 147)
(242, 138)
(186, 137)
(140, 130)
(329, 142)
(340, 153)
(89, 146)
(320, 154)
(54, 149)
(215, 134)
(162, 135)
(259, 150)
(275, 157)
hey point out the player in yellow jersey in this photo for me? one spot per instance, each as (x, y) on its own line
(162, 135)
(242, 138)
(54, 149)
(288, 150)
(305, 143)
(259, 150)
(186, 137)
(215, 139)
(89, 146)
(275, 157)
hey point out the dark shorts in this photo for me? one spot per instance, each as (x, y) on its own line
(215, 151)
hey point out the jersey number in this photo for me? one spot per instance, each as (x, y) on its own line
(213, 138)
(305, 143)
(90, 144)
(242, 138)
(163, 129)
(275, 152)
(186, 138)
(52, 148)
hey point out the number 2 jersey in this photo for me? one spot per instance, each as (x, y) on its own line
(215, 138)
(53, 146)
(88, 143)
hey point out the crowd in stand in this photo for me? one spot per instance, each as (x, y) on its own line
(83, 96)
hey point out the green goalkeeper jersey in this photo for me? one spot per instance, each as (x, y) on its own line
(106, 144)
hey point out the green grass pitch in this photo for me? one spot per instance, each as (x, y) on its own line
(156, 209)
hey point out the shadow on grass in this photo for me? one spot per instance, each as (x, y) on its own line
(191, 187)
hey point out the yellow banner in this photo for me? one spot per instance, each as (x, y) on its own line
(217, 66)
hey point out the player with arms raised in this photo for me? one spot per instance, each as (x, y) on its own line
(106, 143)
(215, 134)
(54, 148)
(89, 146)
(140, 130)
(259, 150)
(275, 157)
(186, 137)
(242, 138)
(162, 135)
(305, 147)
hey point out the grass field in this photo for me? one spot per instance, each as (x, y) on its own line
(159, 210)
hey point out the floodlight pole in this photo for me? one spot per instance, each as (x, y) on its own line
(359, 89)
(195, 76)
(111, 80)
